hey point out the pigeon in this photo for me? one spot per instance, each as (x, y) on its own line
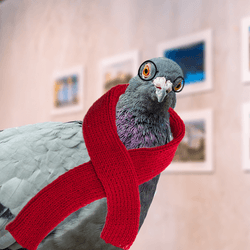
(33, 156)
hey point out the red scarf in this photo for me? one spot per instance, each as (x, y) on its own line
(113, 172)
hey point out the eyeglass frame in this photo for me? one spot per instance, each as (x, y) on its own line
(156, 71)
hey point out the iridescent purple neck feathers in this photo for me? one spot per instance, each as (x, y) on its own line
(141, 131)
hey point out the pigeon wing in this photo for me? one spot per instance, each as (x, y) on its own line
(31, 157)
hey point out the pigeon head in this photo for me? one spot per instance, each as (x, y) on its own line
(155, 86)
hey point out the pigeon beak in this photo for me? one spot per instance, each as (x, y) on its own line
(163, 87)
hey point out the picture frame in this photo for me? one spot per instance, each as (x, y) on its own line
(118, 69)
(245, 53)
(246, 136)
(67, 90)
(194, 55)
(194, 153)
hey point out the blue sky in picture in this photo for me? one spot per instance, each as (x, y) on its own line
(191, 59)
(68, 92)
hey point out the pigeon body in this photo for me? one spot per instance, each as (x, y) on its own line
(33, 156)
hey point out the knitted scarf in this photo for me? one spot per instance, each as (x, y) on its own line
(113, 172)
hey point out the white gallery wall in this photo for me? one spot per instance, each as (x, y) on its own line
(205, 211)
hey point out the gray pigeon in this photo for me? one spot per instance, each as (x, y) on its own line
(33, 156)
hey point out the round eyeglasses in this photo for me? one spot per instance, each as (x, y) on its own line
(178, 84)
(148, 70)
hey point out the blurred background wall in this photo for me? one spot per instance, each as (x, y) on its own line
(190, 211)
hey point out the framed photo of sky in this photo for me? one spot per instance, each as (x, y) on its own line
(194, 55)
(194, 153)
(245, 52)
(67, 91)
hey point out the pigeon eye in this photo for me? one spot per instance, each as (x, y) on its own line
(179, 84)
(176, 88)
(147, 70)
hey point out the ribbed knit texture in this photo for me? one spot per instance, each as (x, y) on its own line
(113, 172)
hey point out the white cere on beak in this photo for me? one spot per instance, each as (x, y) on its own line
(162, 87)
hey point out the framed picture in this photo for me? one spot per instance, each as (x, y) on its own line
(194, 153)
(118, 69)
(245, 53)
(246, 136)
(67, 89)
(194, 55)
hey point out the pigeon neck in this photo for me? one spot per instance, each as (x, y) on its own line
(137, 130)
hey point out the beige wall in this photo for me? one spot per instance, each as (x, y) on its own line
(190, 211)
